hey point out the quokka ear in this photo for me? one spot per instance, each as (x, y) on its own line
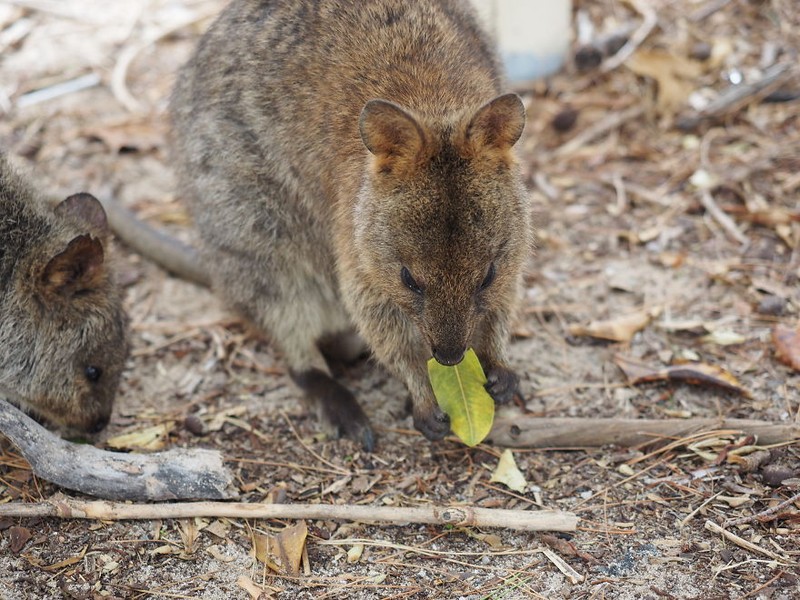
(391, 134)
(498, 124)
(86, 209)
(77, 268)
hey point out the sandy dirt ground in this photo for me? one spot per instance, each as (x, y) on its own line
(688, 228)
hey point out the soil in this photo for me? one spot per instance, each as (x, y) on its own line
(625, 224)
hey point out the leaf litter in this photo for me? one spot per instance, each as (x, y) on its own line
(612, 188)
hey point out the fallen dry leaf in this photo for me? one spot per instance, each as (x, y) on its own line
(698, 373)
(724, 337)
(255, 591)
(282, 552)
(620, 329)
(149, 438)
(18, 537)
(787, 344)
(354, 553)
(67, 561)
(508, 473)
(674, 74)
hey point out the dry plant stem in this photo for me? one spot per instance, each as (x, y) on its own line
(763, 514)
(707, 200)
(120, 73)
(63, 88)
(177, 474)
(707, 10)
(711, 526)
(562, 565)
(522, 520)
(610, 123)
(526, 431)
(649, 20)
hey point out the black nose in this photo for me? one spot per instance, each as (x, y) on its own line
(448, 357)
(99, 424)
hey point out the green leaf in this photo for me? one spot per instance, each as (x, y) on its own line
(460, 393)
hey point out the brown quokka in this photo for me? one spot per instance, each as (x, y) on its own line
(349, 165)
(63, 330)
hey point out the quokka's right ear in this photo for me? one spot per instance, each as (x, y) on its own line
(498, 124)
(392, 135)
(84, 208)
(76, 269)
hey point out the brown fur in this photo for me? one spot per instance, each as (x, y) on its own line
(325, 146)
(63, 340)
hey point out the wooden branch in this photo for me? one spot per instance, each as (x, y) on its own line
(526, 431)
(737, 96)
(177, 474)
(63, 507)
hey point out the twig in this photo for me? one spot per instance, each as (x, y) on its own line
(763, 514)
(711, 526)
(60, 89)
(708, 202)
(707, 10)
(737, 96)
(64, 507)
(691, 515)
(527, 431)
(649, 20)
(52, 7)
(611, 122)
(120, 73)
(176, 474)
(308, 449)
(571, 574)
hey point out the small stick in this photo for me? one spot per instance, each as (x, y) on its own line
(707, 10)
(64, 507)
(737, 96)
(763, 514)
(611, 122)
(711, 526)
(562, 565)
(649, 20)
(516, 431)
(708, 202)
(59, 89)
(119, 74)
(176, 474)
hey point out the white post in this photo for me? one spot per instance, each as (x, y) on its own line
(533, 36)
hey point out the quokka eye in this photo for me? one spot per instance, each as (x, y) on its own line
(409, 281)
(487, 281)
(93, 374)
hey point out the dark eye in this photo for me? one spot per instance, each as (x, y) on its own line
(487, 281)
(93, 374)
(409, 281)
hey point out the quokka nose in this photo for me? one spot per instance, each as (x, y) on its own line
(448, 357)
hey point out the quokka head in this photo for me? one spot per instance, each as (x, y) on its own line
(69, 325)
(442, 220)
